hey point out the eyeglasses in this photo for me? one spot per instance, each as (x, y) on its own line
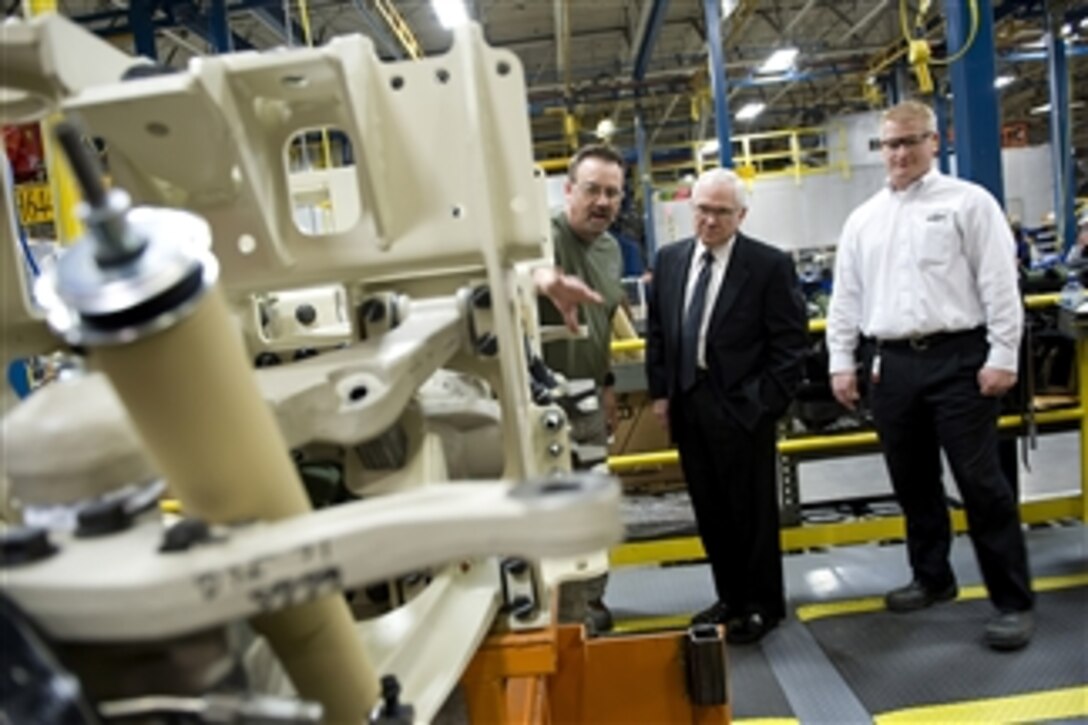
(909, 141)
(718, 212)
(595, 191)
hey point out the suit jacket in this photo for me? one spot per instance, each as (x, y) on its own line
(756, 339)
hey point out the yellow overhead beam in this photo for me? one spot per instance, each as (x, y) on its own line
(62, 184)
(896, 50)
(740, 17)
(399, 27)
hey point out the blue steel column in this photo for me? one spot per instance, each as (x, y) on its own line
(978, 134)
(974, 98)
(899, 83)
(713, 11)
(645, 172)
(220, 27)
(1060, 148)
(940, 109)
(644, 46)
(143, 29)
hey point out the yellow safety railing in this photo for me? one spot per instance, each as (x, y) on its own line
(800, 537)
(795, 152)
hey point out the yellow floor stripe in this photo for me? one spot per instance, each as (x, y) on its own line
(765, 721)
(1031, 707)
(652, 624)
(809, 612)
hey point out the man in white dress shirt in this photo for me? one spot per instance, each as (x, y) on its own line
(926, 299)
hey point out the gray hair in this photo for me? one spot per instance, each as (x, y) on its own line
(724, 177)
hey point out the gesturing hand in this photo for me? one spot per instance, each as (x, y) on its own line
(566, 292)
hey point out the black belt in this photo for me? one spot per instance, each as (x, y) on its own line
(924, 342)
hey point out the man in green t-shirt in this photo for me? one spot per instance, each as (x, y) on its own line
(584, 249)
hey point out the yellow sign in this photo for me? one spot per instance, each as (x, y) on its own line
(35, 202)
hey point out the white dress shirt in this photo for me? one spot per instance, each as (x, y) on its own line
(937, 256)
(717, 274)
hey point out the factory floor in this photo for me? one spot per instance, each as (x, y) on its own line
(839, 657)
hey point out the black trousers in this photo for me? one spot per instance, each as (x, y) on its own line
(730, 475)
(928, 400)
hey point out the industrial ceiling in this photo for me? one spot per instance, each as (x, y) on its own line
(587, 60)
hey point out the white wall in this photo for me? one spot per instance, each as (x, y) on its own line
(860, 129)
(783, 212)
(811, 213)
(1029, 183)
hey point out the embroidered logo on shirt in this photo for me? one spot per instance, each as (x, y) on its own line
(938, 216)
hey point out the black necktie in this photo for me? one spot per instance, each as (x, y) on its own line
(693, 318)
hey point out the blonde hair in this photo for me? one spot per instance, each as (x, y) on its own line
(912, 111)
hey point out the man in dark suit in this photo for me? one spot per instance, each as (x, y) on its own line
(725, 342)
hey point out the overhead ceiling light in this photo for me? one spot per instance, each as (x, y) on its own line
(710, 147)
(1067, 30)
(451, 13)
(1045, 108)
(728, 6)
(750, 111)
(780, 60)
(1084, 23)
(1002, 81)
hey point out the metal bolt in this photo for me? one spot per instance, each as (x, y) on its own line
(516, 567)
(306, 314)
(555, 450)
(552, 420)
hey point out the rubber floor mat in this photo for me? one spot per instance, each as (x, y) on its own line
(937, 655)
(754, 689)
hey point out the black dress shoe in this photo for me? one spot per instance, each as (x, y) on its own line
(1010, 630)
(716, 613)
(917, 595)
(748, 629)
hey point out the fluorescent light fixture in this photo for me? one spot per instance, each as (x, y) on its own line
(451, 13)
(1067, 30)
(1084, 23)
(710, 147)
(780, 60)
(606, 129)
(750, 111)
(1045, 108)
(1002, 81)
(728, 6)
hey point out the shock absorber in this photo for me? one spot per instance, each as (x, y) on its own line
(142, 297)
